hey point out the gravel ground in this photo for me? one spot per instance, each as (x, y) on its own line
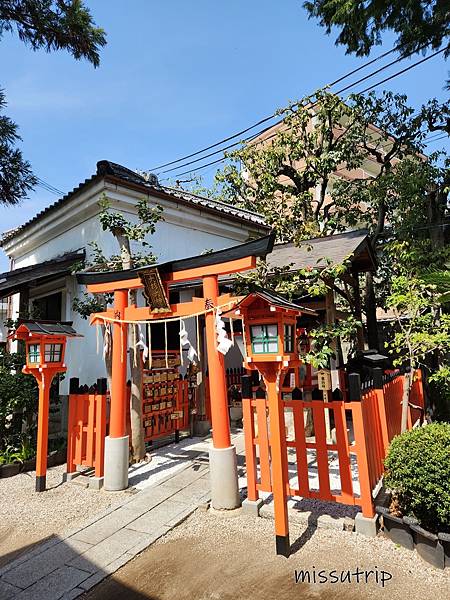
(216, 557)
(28, 517)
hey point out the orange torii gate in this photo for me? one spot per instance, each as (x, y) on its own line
(155, 281)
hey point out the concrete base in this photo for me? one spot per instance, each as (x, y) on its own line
(96, 483)
(70, 476)
(224, 478)
(252, 507)
(116, 463)
(367, 526)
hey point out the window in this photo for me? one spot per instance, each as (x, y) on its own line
(53, 352)
(34, 353)
(289, 338)
(264, 339)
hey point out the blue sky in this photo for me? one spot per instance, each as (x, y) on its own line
(174, 77)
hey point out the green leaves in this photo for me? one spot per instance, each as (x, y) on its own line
(322, 339)
(418, 472)
(18, 394)
(360, 24)
(117, 224)
(16, 177)
(54, 25)
(422, 327)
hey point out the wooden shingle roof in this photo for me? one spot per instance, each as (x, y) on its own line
(318, 252)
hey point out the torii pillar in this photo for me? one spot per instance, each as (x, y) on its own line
(222, 455)
(117, 442)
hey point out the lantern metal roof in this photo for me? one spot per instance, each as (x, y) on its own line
(46, 328)
(273, 299)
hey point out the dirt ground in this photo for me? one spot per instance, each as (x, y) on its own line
(28, 517)
(215, 557)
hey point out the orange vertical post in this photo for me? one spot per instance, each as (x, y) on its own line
(354, 390)
(73, 389)
(100, 427)
(279, 460)
(216, 371)
(117, 424)
(45, 380)
(249, 435)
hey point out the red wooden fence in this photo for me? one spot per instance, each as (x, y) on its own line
(363, 428)
(86, 429)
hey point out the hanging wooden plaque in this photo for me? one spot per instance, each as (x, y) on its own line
(154, 290)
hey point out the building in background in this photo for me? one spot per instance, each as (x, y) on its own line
(44, 251)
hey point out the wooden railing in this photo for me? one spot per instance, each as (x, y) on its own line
(363, 427)
(86, 429)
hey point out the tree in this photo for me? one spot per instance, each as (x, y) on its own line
(422, 329)
(416, 23)
(18, 395)
(51, 25)
(16, 177)
(125, 232)
(310, 169)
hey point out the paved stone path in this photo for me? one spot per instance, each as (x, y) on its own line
(64, 568)
(172, 486)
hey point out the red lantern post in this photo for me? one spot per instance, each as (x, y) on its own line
(270, 346)
(45, 344)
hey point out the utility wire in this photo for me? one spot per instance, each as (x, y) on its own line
(268, 118)
(50, 188)
(214, 162)
(398, 73)
(333, 83)
(344, 89)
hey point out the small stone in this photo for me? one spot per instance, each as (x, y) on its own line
(349, 524)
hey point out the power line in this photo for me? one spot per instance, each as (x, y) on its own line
(346, 88)
(398, 59)
(398, 73)
(436, 139)
(50, 188)
(268, 118)
(214, 162)
(419, 62)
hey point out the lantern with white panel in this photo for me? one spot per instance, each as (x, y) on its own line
(270, 345)
(45, 344)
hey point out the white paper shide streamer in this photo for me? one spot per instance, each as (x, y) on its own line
(141, 344)
(184, 341)
(223, 341)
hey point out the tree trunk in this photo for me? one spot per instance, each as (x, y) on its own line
(107, 355)
(371, 313)
(358, 312)
(405, 400)
(136, 415)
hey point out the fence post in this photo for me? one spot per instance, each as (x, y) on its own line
(249, 435)
(354, 390)
(379, 391)
(100, 427)
(74, 385)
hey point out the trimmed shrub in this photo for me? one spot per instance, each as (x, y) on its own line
(418, 473)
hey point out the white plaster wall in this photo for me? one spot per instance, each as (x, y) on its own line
(185, 232)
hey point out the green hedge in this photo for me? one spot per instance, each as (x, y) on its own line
(418, 473)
